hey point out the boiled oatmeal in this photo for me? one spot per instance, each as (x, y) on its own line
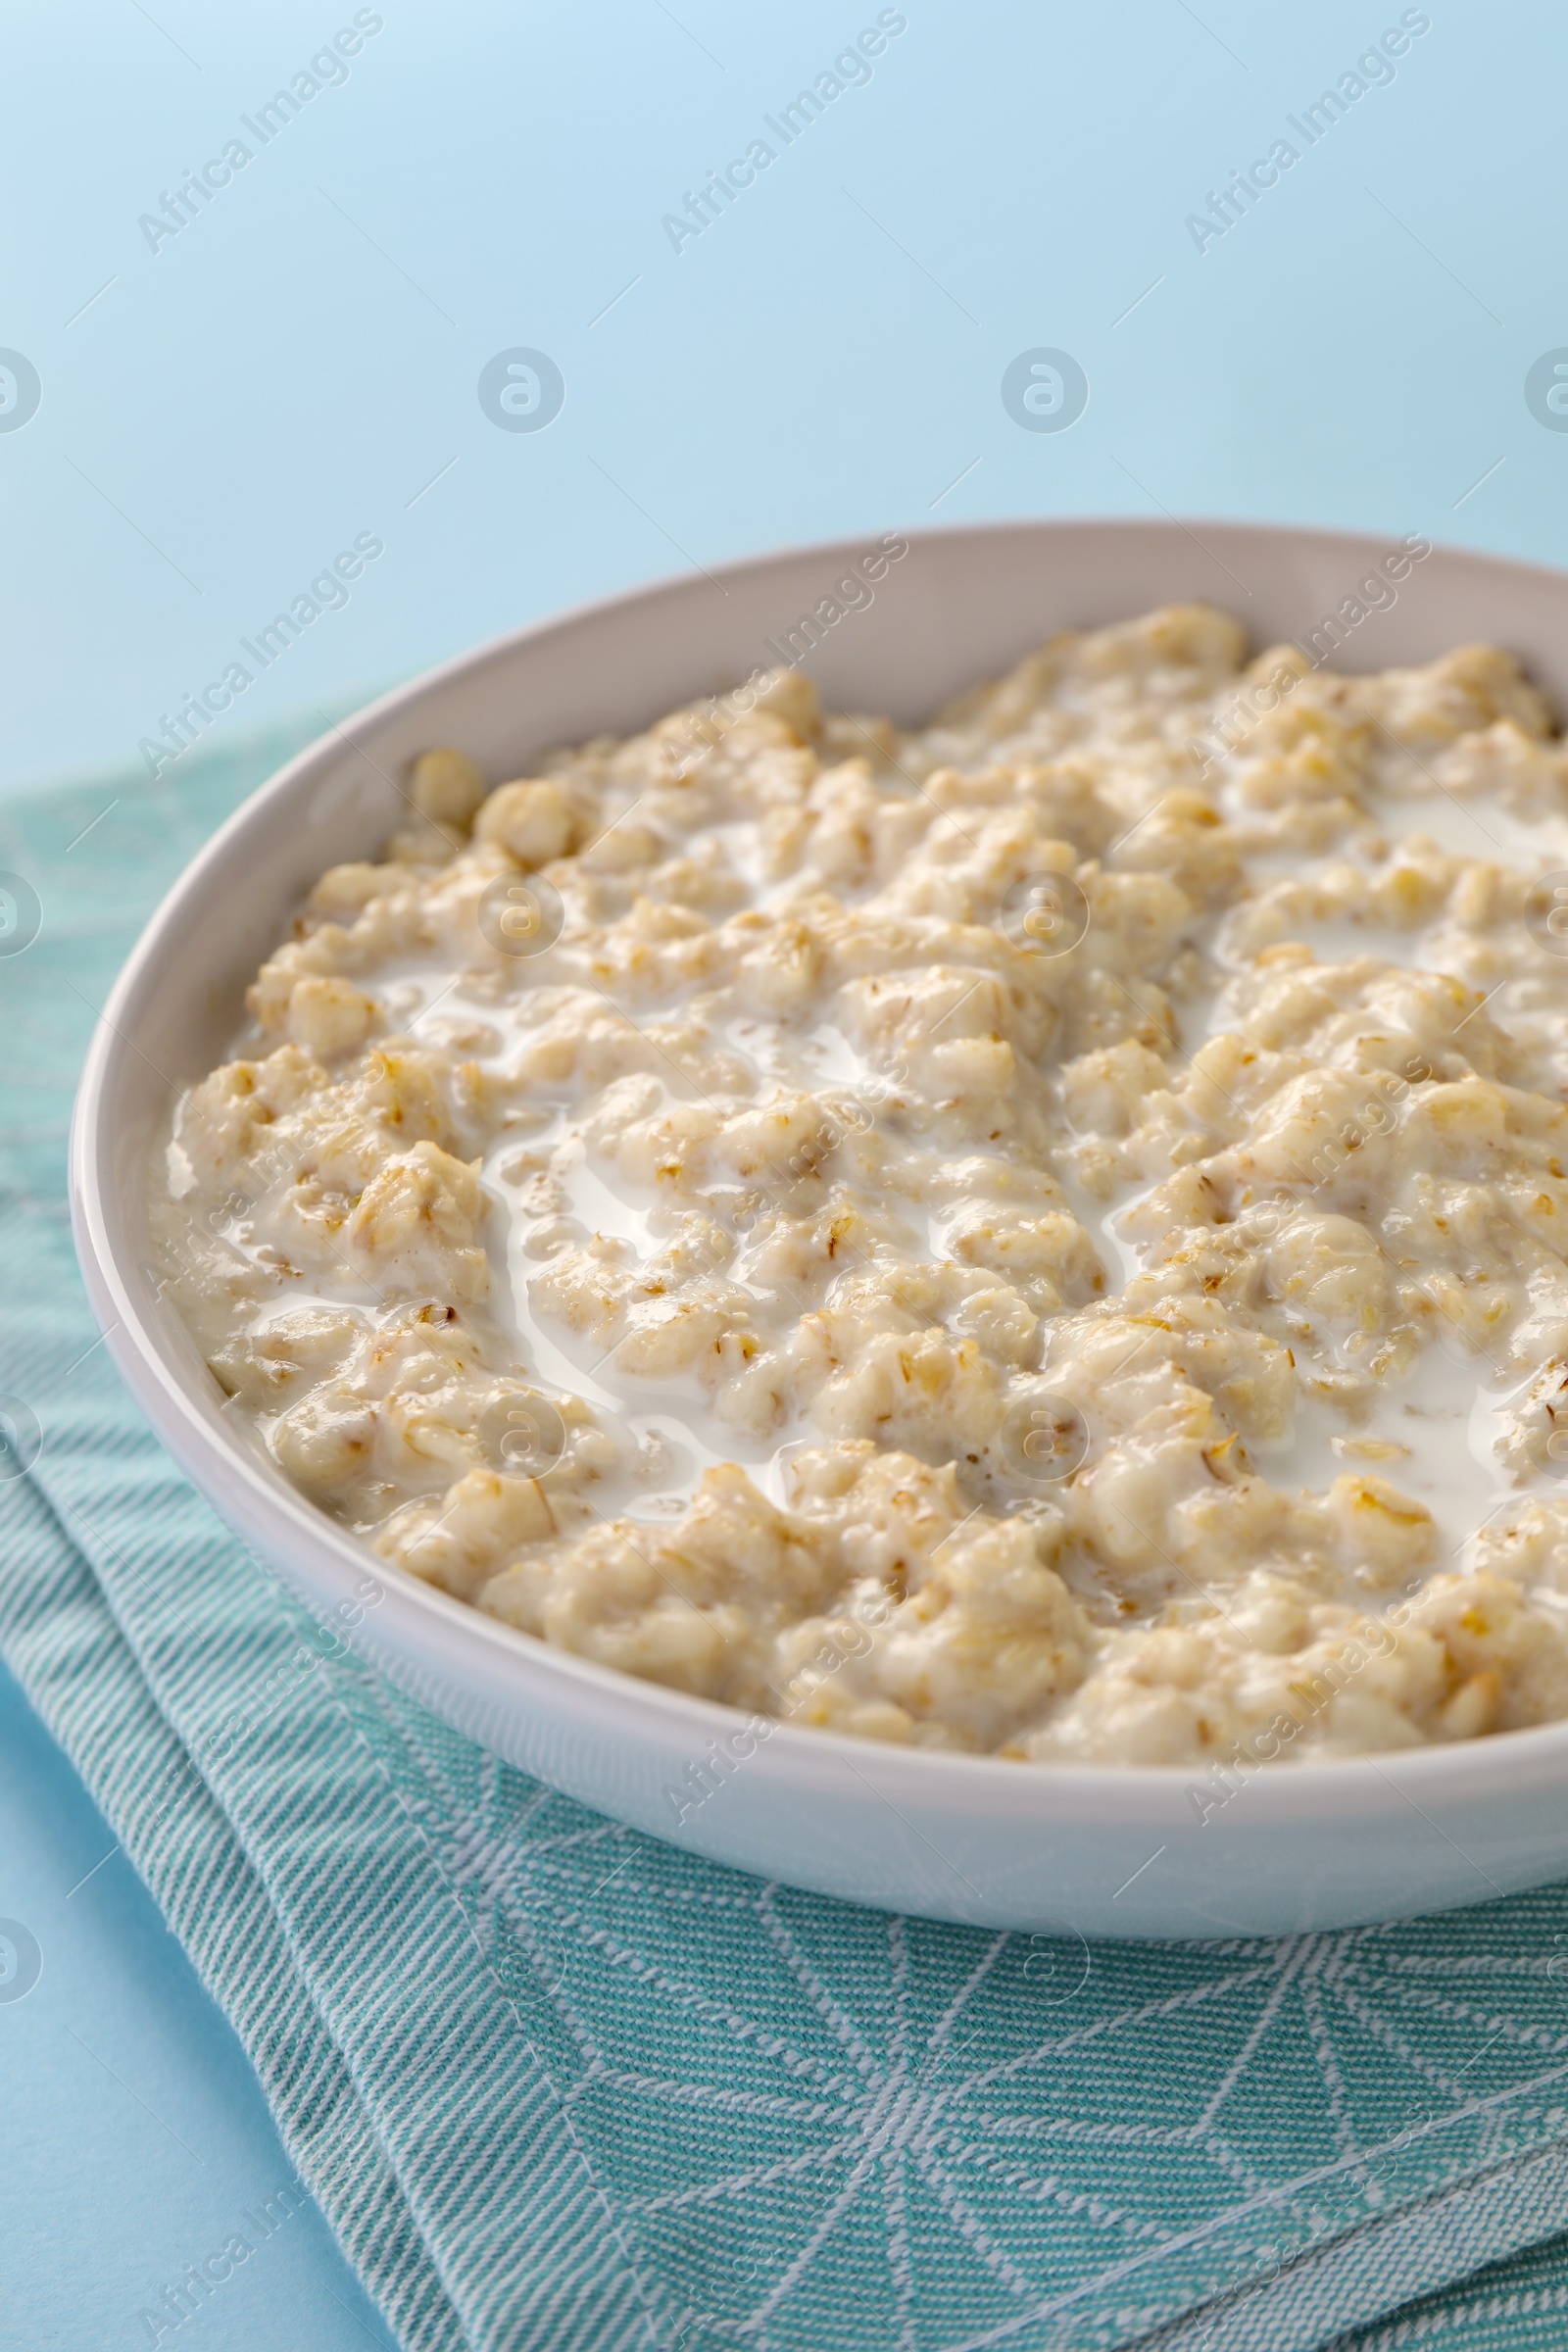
(1042, 1234)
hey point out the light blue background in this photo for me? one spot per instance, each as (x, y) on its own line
(300, 362)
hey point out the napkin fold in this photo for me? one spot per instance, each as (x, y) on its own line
(558, 2086)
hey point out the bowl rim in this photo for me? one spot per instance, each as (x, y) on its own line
(211, 1455)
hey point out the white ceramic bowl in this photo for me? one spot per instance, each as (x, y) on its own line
(1124, 1854)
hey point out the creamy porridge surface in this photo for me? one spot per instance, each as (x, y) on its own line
(1043, 1234)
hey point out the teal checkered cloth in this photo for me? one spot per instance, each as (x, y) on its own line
(557, 2086)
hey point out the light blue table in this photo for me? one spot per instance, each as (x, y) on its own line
(227, 406)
